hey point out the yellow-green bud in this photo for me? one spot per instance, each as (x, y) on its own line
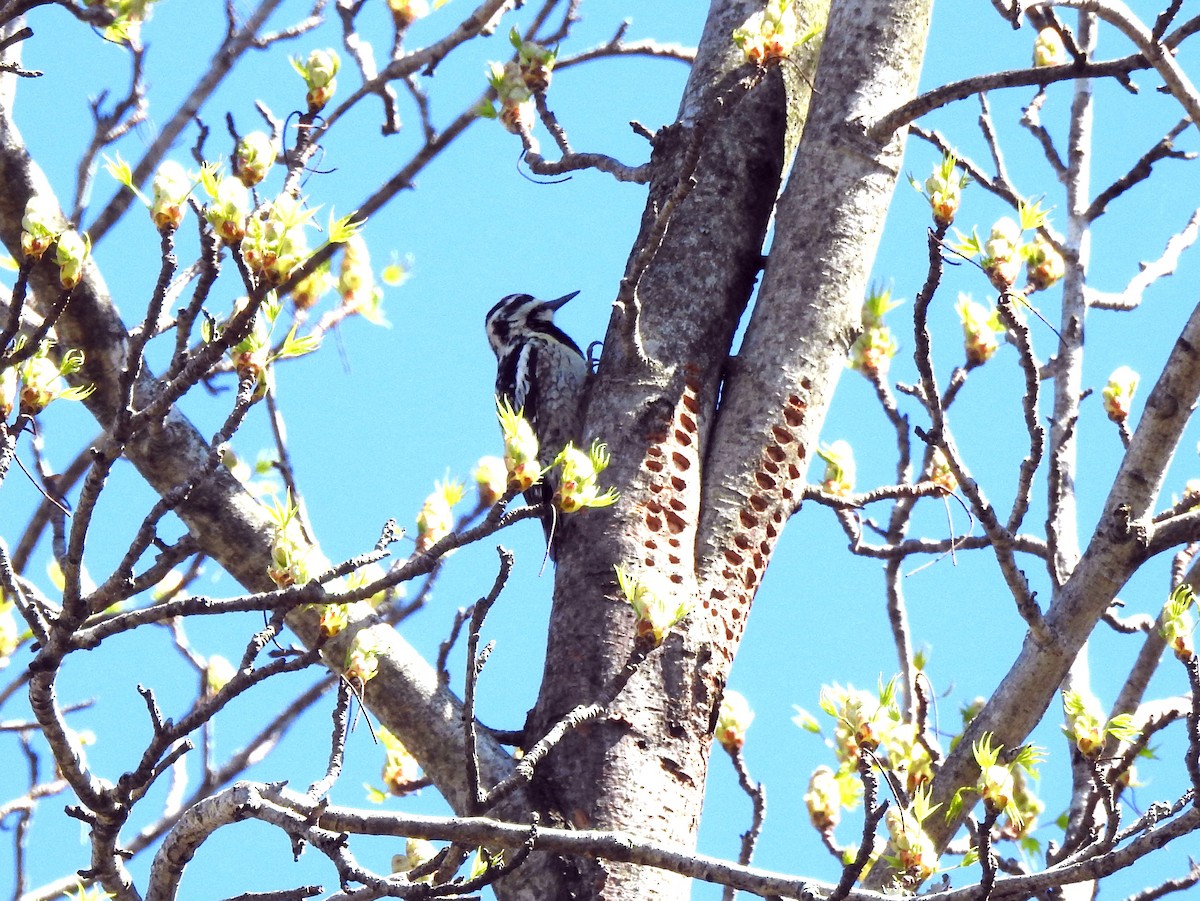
(405, 12)
(319, 72)
(171, 187)
(400, 769)
(8, 392)
(733, 719)
(940, 472)
(656, 613)
(1178, 623)
(70, 254)
(980, 325)
(227, 212)
(1048, 49)
(310, 289)
(491, 479)
(40, 226)
(42, 381)
(770, 35)
(435, 520)
(362, 658)
(916, 855)
(577, 486)
(1001, 259)
(253, 158)
(520, 447)
(218, 673)
(10, 633)
(356, 281)
(1044, 265)
(839, 468)
(823, 799)
(1118, 393)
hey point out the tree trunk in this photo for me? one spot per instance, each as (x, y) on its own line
(706, 488)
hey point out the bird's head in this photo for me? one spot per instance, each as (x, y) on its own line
(518, 317)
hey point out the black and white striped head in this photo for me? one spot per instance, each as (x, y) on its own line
(519, 318)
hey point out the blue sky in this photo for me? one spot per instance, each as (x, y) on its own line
(379, 414)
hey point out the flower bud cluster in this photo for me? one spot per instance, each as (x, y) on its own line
(228, 207)
(733, 719)
(915, 855)
(333, 619)
(996, 783)
(491, 480)
(873, 350)
(42, 227)
(1118, 393)
(251, 355)
(253, 158)
(514, 96)
(290, 552)
(1003, 785)
(1002, 253)
(218, 673)
(435, 519)
(839, 468)
(276, 241)
(577, 486)
(1084, 724)
(417, 852)
(1005, 249)
(319, 72)
(362, 658)
(770, 35)
(520, 447)
(310, 289)
(171, 187)
(405, 12)
(516, 81)
(36, 382)
(70, 255)
(1048, 49)
(943, 189)
(940, 472)
(401, 772)
(870, 725)
(1178, 623)
(863, 721)
(652, 604)
(535, 62)
(1044, 266)
(356, 280)
(981, 328)
(128, 16)
(824, 800)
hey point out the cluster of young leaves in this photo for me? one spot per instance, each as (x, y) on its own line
(871, 732)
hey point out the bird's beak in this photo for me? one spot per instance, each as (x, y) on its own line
(556, 304)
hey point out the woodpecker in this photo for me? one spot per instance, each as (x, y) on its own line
(540, 369)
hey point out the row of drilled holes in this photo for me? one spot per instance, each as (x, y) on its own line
(668, 461)
(781, 458)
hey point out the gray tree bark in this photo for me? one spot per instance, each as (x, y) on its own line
(706, 487)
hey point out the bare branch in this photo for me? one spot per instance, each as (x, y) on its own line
(1016, 78)
(1156, 52)
(1149, 273)
(1141, 170)
(226, 56)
